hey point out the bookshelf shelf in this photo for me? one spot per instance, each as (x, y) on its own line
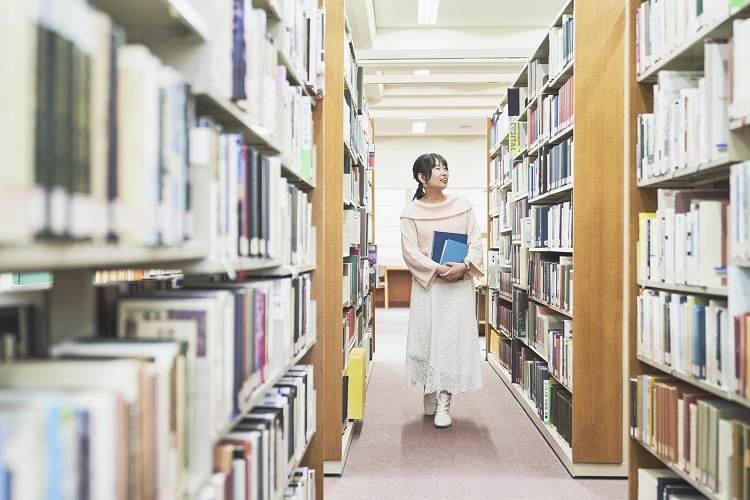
(701, 384)
(690, 54)
(740, 262)
(562, 135)
(562, 77)
(739, 123)
(270, 6)
(692, 175)
(157, 20)
(294, 178)
(259, 391)
(550, 250)
(560, 447)
(687, 477)
(558, 194)
(236, 120)
(507, 185)
(700, 290)
(528, 344)
(520, 197)
(67, 256)
(596, 430)
(516, 243)
(231, 266)
(496, 150)
(505, 230)
(554, 308)
(292, 74)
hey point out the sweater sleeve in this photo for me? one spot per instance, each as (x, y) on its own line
(476, 252)
(423, 268)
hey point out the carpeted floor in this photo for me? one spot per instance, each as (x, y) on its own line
(493, 450)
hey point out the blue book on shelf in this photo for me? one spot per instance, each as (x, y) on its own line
(454, 251)
(438, 243)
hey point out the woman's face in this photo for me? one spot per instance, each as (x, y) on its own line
(439, 178)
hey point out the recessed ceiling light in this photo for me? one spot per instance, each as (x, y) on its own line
(418, 127)
(464, 126)
(428, 11)
(421, 72)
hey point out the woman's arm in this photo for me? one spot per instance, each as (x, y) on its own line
(475, 257)
(423, 268)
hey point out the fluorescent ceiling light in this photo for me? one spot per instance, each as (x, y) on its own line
(421, 72)
(418, 127)
(428, 11)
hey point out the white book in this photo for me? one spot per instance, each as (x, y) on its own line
(716, 64)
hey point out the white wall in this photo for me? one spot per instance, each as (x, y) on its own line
(394, 185)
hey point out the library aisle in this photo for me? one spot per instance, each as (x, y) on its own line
(492, 450)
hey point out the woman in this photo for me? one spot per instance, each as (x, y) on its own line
(442, 351)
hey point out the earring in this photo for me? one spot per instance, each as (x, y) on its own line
(424, 186)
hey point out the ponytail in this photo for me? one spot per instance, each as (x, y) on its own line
(419, 193)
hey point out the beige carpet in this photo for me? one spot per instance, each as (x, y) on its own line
(493, 450)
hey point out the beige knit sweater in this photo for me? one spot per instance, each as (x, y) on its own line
(420, 220)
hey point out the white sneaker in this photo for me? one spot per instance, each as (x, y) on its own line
(442, 413)
(430, 403)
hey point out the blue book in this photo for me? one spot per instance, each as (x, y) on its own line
(438, 243)
(454, 251)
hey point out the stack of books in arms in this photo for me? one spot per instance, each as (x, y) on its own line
(98, 142)
(145, 408)
(698, 433)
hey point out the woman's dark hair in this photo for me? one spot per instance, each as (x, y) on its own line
(424, 165)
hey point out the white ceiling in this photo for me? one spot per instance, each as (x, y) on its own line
(473, 53)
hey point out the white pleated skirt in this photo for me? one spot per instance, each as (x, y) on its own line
(442, 349)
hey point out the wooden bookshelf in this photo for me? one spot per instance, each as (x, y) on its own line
(641, 196)
(598, 429)
(182, 34)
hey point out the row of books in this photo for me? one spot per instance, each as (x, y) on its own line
(521, 228)
(699, 434)
(662, 27)
(356, 277)
(552, 169)
(241, 54)
(552, 225)
(519, 268)
(98, 140)
(684, 241)
(561, 45)
(356, 130)
(551, 280)
(553, 114)
(689, 124)
(500, 314)
(739, 95)
(551, 334)
(502, 242)
(500, 168)
(554, 404)
(519, 174)
(538, 75)
(251, 210)
(500, 206)
(497, 276)
(120, 275)
(692, 335)
(664, 484)
(255, 459)
(520, 314)
(739, 211)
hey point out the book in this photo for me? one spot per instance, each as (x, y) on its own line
(454, 251)
(439, 239)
